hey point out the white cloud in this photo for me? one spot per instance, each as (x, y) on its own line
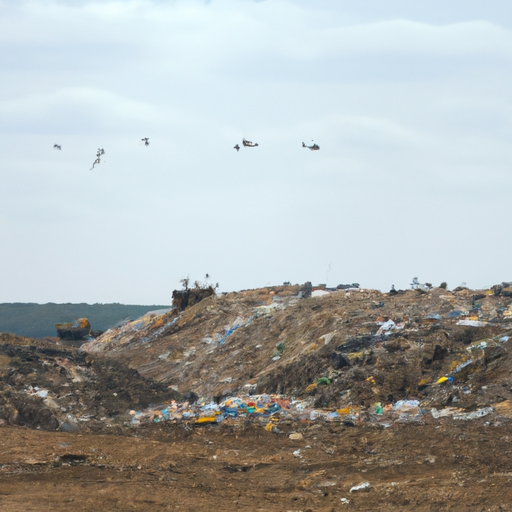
(72, 109)
(412, 115)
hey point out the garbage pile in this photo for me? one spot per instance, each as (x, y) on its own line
(382, 346)
(356, 356)
(76, 330)
(273, 410)
(53, 387)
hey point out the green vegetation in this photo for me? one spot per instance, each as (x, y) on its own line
(38, 320)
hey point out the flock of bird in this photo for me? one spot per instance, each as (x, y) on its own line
(145, 141)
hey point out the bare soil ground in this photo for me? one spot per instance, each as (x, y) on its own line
(448, 466)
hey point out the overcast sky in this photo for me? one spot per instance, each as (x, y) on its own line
(409, 101)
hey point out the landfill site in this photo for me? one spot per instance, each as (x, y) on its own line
(284, 398)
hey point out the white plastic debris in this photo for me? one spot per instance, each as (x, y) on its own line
(344, 501)
(360, 487)
(443, 413)
(471, 323)
(327, 338)
(479, 413)
(387, 327)
(406, 405)
(319, 293)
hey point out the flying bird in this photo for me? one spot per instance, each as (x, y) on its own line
(99, 154)
(57, 146)
(146, 141)
(314, 147)
(237, 147)
(249, 144)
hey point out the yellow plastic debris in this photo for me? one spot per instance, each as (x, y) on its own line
(206, 419)
(357, 355)
(311, 387)
(442, 379)
(344, 411)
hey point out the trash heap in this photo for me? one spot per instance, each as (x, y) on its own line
(355, 356)
(383, 347)
(273, 410)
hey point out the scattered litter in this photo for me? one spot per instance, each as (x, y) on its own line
(327, 338)
(387, 327)
(443, 413)
(454, 314)
(472, 323)
(228, 333)
(406, 405)
(479, 413)
(360, 487)
(319, 293)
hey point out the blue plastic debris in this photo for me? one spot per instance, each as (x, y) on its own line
(454, 314)
(228, 332)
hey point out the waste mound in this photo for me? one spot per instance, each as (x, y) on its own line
(54, 387)
(345, 348)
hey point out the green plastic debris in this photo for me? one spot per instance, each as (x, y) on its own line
(323, 381)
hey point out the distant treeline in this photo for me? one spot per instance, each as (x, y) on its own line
(38, 320)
